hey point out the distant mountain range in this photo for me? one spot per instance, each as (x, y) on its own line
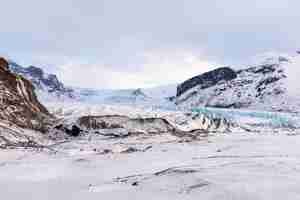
(259, 87)
(49, 88)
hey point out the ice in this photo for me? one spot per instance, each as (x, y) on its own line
(262, 118)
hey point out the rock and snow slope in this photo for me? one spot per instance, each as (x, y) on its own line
(21, 112)
(261, 87)
(47, 86)
(266, 86)
(50, 89)
(18, 102)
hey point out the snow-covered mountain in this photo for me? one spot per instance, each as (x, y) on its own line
(261, 87)
(267, 86)
(47, 85)
(50, 89)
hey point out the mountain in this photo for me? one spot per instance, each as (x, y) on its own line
(207, 80)
(18, 102)
(50, 89)
(47, 85)
(260, 87)
(124, 97)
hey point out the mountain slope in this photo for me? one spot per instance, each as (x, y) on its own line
(47, 85)
(18, 102)
(261, 87)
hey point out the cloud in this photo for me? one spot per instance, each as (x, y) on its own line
(118, 34)
(165, 67)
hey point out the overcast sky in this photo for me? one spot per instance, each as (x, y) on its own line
(143, 43)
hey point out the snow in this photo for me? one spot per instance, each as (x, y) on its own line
(293, 71)
(227, 166)
(251, 155)
(274, 90)
(231, 165)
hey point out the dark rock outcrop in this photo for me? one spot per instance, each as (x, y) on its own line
(18, 102)
(74, 131)
(131, 125)
(207, 79)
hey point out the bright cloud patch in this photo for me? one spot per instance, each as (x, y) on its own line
(158, 68)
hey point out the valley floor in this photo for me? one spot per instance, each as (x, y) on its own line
(224, 166)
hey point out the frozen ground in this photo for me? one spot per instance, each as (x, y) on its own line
(221, 166)
(236, 165)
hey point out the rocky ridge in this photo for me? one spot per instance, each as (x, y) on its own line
(18, 102)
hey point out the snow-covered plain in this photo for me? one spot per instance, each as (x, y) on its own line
(222, 166)
(233, 165)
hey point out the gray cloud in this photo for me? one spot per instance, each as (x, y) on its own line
(119, 34)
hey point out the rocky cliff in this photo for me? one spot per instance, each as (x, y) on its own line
(18, 102)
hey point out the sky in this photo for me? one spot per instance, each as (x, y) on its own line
(141, 43)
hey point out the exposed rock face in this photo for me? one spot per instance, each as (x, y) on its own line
(130, 125)
(3, 64)
(207, 80)
(121, 126)
(258, 87)
(18, 102)
(42, 81)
